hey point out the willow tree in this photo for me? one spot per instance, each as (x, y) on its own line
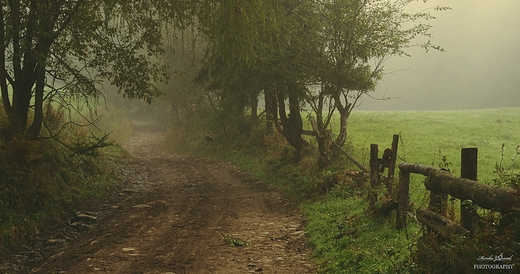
(254, 46)
(356, 37)
(230, 28)
(288, 66)
(63, 49)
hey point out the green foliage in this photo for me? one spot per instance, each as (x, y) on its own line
(509, 175)
(423, 141)
(434, 255)
(496, 235)
(346, 238)
(235, 241)
(39, 180)
(285, 47)
(62, 51)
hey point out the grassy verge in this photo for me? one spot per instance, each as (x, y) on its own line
(42, 179)
(348, 240)
(345, 237)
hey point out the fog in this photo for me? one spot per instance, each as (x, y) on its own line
(480, 67)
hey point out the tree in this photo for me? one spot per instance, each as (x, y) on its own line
(291, 69)
(253, 47)
(356, 37)
(229, 29)
(325, 54)
(60, 50)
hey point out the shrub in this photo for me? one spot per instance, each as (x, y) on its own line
(40, 179)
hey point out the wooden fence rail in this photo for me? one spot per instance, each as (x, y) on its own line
(440, 183)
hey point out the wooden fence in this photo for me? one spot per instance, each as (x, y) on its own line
(441, 183)
(378, 166)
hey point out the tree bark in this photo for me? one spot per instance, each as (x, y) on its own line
(291, 126)
(489, 197)
(254, 109)
(324, 140)
(294, 123)
(3, 72)
(21, 85)
(322, 133)
(343, 119)
(29, 71)
(20, 105)
(440, 224)
(270, 111)
(34, 129)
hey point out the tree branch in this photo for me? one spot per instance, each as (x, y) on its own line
(351, 158)
(67, 21)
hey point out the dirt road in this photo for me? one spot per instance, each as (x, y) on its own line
(187, 215)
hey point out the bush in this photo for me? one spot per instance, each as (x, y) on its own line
(39, 180)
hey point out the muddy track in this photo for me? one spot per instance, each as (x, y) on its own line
(187, 215)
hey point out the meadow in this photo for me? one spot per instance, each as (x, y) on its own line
(348, 240)
(427, 136)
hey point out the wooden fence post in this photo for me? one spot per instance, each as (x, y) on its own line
(468, 170)
(391, 165)
(402, 199)
(374, 177)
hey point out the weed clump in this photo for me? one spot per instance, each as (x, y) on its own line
(235, 241)
(495, 243)
(40, 179)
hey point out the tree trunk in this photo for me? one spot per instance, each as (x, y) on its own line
(270, 111)
(292, 123)
(324, 140)
(20, 106)
(322, 133)
(342, 136)
(290, 126)
(29, 53)
(3, 73)
(254, 109)
(34, 129)
(324, 145)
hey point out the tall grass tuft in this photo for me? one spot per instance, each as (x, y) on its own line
(40, 179)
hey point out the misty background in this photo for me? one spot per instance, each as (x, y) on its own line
(480, 67)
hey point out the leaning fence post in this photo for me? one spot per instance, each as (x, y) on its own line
(391, 165)
(468, 170)
(374, 177)
(402, 199)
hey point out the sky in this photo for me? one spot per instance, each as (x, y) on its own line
(480, 67)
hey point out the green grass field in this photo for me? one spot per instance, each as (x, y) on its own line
(427, 135)
(371, 245)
